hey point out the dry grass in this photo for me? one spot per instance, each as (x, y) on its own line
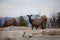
(25, 33)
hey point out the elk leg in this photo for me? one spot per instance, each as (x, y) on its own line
(36, 27)
(32, 27)
(45, 23)
(42, 26)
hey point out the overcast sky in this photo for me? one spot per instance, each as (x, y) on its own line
(15, 8)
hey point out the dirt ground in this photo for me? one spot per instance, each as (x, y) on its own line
(26, 33)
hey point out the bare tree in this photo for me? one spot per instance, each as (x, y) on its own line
(58, 20)
(53, 19)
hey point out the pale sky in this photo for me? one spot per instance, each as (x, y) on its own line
(15, 8)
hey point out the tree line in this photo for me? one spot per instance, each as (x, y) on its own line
(54, 20)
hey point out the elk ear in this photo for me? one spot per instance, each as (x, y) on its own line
(31, 15)
(27, 15)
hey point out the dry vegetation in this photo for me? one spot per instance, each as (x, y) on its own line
(26, 33)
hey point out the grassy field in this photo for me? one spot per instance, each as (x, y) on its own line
(26, 33)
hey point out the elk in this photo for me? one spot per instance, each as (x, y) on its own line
(38, 22)
(10, 22)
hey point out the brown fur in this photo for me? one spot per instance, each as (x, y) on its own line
(38, 22)
(43, 21)
(10, 22)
